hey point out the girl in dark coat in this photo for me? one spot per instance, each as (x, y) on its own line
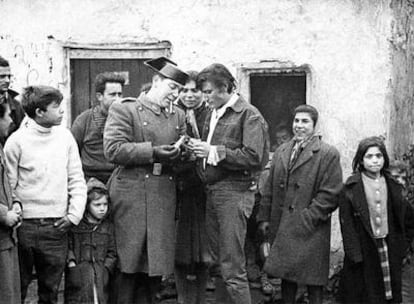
(376, 224)
(92, 251)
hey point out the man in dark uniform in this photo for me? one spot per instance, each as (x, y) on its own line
(9, 96)
(138, 138)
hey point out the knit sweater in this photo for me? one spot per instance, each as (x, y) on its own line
(45, 172)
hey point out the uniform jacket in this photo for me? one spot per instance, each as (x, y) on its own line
(362, 280)
(298, 204)
(242, 144)
(143, 203)
(92, 248)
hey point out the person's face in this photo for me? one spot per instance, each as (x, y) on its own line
(214, 96)
(282, 136)
(52, 116)
(303, 126)
(99, 207)
(112, 92)
(399, 175)
(373, 160)
(5, 122)
(190, 95)
(5, 76)
(167, 91)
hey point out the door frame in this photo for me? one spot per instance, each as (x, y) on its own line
(137, 50)
(272, 67)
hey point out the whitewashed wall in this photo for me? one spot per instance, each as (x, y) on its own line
(345, 42)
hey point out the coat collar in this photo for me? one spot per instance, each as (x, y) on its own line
(360, 204)
(155, 108)
(312, 147)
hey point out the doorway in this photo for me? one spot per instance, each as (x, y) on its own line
(276, 95)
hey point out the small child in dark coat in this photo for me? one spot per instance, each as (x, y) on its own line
(92, 251)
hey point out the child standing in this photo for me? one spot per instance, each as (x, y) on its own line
(377, 224)
(10, 217)
(46, 176)
(92, 251)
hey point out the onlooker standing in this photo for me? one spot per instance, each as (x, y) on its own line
(8, 96)
(92, 252)
(191, 248)
(233, 150)
(88, 127)
(10, 217)
(377, 226)
(299, 197)
(46, 176)
(137, 137)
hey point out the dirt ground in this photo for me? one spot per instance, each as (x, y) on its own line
(257, 296)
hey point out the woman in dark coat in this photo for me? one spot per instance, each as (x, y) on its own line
(92, 251)
(191, 251)
(377, 224)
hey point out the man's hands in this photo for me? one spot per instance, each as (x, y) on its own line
(14, 216)
(166, 152)
(199, 148)
(63, 224)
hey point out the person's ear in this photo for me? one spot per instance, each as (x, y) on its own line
(39, 112)
(99, 96)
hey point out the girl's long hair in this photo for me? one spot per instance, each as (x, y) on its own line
(364, 145)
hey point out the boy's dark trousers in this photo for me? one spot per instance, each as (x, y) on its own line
(45, 248)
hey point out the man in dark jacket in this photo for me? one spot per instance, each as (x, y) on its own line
(9, 96)
(298, 199)
(233, 150)
(137, 138)
(88, 127)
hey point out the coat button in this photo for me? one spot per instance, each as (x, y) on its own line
(170, 178)
(282, 185)
(140, 108)
(291, 208)
(144, 123)
(296, 185)
(146, 175)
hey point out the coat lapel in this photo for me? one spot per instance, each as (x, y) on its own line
(361, 206)
(286, 150)
(307, 153)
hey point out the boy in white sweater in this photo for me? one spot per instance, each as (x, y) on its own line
(46, 176)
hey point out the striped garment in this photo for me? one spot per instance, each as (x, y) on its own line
(385, 266)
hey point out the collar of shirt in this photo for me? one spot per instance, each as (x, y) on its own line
(146, 102)
(217, 113)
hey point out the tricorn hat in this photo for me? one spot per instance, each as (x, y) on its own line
(168, 69)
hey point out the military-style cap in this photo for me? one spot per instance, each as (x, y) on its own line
(167, 68)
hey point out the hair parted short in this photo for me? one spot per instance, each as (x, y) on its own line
(39, 97)
(218, 75)
(103, 78)
(307, 109)
(363, 146)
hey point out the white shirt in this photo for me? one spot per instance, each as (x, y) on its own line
(212, 158)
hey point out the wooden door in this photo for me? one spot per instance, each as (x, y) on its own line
(84, 71)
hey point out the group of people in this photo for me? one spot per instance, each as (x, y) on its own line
(165, 183)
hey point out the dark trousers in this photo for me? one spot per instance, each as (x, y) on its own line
(289, 289)
(45, 248)
(229, 204)
(9, 276)
(138, 287)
